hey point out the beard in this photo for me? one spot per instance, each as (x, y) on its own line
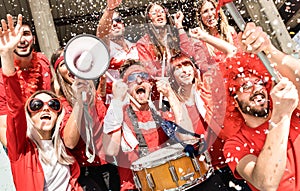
(246, 109)
(25, 54)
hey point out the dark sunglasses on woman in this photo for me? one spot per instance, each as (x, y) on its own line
(36, 105)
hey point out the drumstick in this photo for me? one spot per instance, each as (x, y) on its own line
(241, 24)
(162, 77)
(130, 97)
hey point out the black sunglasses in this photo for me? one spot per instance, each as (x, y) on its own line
(118, 20)
(36, 105)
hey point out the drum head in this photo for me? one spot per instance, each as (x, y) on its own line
(159, 157)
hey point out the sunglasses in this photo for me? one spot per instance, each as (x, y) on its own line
(133, 77)
(248, 86)
(36, 105)
(117, 20)
(154, 13)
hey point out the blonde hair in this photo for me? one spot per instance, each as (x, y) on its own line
(224, 29)
(172, 33)
(59, 147)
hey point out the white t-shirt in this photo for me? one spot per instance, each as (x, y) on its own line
(56, 175)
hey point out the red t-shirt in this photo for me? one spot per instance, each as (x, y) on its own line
(155, 138)
(26, 167)
(251, 141)
(44, 81)
(79, 151)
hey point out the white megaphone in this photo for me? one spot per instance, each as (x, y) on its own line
(86, 56)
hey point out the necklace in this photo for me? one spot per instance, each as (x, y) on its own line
(29, 77)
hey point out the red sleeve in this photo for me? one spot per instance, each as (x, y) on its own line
(197, 50)
(68, 110)
(16, 119)
(100, 106)
(148, 57)
(3, 106)
(46, 71)
(234, 150)
(168, 116)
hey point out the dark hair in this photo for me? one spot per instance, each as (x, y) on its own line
(172, 33)
(29, 23)
(127, 64)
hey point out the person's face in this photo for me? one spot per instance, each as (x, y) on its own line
(252, 97)
(208, 15)
(44, 112)
(117, 27)
(158, 16)
(184, 73)
(25, 46)
(65, 73)
(139, 86)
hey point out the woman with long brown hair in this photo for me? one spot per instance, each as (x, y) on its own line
(85, 143)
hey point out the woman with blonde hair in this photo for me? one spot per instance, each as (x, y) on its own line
(39, 160)
(215, 23)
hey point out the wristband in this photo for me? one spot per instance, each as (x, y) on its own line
(272, 124)
(109, 9)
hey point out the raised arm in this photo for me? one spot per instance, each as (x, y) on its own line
(254, 40)
(227, 48)
(113, 120)
(104, 24)
(180, 111)
(16, 129)
(10, 36)
(74, 124)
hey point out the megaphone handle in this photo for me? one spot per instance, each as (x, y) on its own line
(130, 97)
(83, 96)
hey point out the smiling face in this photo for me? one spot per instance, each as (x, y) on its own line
(65, 73)
(25, 46)
(208, 15)
(44, 119)
(158, 15)
(184, 73)
(252, 97)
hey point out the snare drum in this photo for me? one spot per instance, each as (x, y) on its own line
(170, 168)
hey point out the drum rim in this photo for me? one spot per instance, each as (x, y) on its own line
(178, 154)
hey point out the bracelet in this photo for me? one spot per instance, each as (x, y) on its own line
(109, 9)
(272, 124)
(180, 28)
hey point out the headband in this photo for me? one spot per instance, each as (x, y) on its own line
(58, 61)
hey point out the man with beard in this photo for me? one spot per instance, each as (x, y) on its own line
(111, 29)
(33, 68)
(264, 152)
(130, 131)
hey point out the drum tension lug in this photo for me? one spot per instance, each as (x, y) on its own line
(150, 181)
(196, 164)
(187, 176)
(137, 181)
(173, 174)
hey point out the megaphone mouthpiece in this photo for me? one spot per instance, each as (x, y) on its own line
(86, 56)
(84, 61)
